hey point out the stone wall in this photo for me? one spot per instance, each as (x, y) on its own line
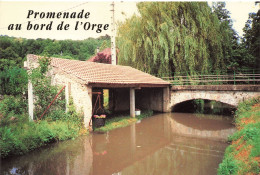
(149, 98)
(81, 93)
(119, 99)
(75, 88)
(145, 98)
(228, 97)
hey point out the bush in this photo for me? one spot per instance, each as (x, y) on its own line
(228, 166)
(20, 136)
(28, 136)
(13, 81)
(246, 105)
(11, 109)
(44, 92)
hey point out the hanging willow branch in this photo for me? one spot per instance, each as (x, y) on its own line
(171, 37)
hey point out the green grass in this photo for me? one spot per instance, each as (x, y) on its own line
(23, 137)
(122, 121)
(243, 155)
(18, 135)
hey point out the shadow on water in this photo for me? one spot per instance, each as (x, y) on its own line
(173, 143)
(205, 107)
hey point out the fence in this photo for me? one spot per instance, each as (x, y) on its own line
(241, 77)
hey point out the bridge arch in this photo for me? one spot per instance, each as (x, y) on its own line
(185, 105)
(229, 97)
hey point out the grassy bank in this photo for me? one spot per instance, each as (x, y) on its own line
(24, 137)
(243, 155)
(18, 135)
(122, 121)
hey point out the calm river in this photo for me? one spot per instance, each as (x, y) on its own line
(164, 144)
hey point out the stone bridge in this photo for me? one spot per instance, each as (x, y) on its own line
(229, 94)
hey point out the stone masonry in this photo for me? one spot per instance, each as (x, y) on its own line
(229, 97)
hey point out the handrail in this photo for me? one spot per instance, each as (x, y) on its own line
(214, 79)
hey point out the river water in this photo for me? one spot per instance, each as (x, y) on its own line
(164, 144)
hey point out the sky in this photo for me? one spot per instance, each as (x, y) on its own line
(239, 11)
(16, 12)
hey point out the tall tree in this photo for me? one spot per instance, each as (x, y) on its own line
(251, 39)
(230, 46)
(172, 37)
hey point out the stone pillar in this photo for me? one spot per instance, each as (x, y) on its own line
(87, 107)
(30, 100)
(30, 89)
(132, 102)
(166, 99)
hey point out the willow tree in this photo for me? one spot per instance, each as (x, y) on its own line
(172, 38)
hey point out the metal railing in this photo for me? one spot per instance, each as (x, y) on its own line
(234, 78)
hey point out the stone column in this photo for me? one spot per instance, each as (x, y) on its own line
(132, 102)
(30, 90)
(30, 100)
(166, 99)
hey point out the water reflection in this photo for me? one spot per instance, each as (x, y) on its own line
(163, 144)
(202, 126)
(68, 157)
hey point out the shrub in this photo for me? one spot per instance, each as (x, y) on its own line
(11, 109)
(13, 81)
(44, 92)
(28, 136)
(228, 166)
(20, 136)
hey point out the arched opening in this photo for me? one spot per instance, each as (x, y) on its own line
(204, 106)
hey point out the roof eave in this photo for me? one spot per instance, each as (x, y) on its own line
(130, 85)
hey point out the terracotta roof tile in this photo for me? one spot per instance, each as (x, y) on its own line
(91, 72)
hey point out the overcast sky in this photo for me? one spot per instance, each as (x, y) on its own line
(16, 12)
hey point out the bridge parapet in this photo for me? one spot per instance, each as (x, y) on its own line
(251, 88)
(241, 77)
(229, 94)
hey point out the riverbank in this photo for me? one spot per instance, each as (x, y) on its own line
(122, 121)
(243, 155)
(20, 136)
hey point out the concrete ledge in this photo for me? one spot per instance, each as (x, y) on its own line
(252, 88)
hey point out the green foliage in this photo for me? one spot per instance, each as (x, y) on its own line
(72, 116)
(23, 137)
(44, 92)
(229, 166)
(246, 139)
(44, 64)
(120, 121)
(199, 105)
(249, 132)
(14, 50)
(251, 39)
(12, 108)
(172, 37)
(13, 81)
(245, 106)
(231, 49)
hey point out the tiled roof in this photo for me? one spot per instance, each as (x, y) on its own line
(98, 73)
